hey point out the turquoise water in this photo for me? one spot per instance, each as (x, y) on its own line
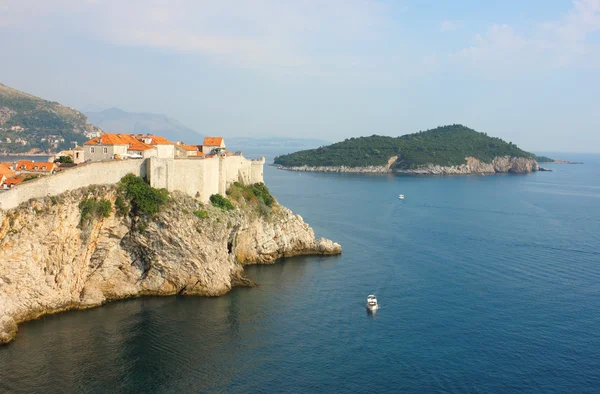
(487, 284)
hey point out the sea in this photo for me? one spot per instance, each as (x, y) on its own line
(487, 284)
(13, 158)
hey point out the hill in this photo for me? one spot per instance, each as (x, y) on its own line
(443, 146)
(29, 124)
(115, 120)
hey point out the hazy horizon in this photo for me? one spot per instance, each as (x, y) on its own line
(527, 73)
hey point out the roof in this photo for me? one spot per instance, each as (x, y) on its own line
(13, 181)
(6, 171)
(27, 165)
(188, 147)
(78, 148)
(120, 139)
(155, 139)
(213, 141)
(110, 139)
(139, 146)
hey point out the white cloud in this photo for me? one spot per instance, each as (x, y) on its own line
(247, 33)
(449, 25)
(562, 43)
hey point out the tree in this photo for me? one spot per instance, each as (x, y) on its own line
(64, 160)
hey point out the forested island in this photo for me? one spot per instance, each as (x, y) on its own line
(449, 146)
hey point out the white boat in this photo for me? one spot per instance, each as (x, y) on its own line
(401, 196)
(372, 304)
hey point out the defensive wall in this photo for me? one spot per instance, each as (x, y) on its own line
(198, 178)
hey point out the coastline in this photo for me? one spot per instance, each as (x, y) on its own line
(499, 165)
(77, 266)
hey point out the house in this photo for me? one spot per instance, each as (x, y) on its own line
(6, 170)
(183, 150)
(110, 146)
(27, 166)
(165, 148)
(11, 182)
(78, 155)
(212, 145)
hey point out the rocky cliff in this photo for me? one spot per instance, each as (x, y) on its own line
(51, 260)
(502, 164)
(360, 170)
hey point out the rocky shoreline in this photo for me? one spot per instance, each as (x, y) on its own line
(50, 262)
(503, 164)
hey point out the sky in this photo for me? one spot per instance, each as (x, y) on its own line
(525, 71)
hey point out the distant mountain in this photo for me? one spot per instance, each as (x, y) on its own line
(276, 143)
(29, 124)
(115, 120)
(442, 146)
(271, 147)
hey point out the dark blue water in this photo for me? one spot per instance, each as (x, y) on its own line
(487, 284)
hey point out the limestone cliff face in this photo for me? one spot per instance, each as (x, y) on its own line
(49, 262)
(500, 164)
(360, 170)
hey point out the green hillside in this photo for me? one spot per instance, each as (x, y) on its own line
(32, 124)
(445, 145)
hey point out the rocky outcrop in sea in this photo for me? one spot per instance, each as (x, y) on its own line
(501, 164)
(50, 262)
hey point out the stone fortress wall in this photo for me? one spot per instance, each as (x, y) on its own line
(196, 177)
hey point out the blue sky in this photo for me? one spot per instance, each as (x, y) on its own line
(526, 71)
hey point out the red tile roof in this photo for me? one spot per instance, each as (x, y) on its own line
(6, 171)
(110, 139)
(27, 165)
(155, 139)
(139, 146)
(13, 181)
(120, 139)
(188, 147)
(213, 141)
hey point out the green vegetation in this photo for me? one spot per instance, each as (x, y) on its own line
(91, 208)
(219, 201)
(30, 178)
(64, 160)
(256, 192)
(143, 199)
(40, 120)
(445, 145)
(256, 195)
(122, 207)
(201, 214)
(544, 159)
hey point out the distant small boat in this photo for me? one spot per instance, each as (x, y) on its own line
(401, 196)
(372, 304)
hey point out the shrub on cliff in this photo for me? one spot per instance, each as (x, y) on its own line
(256, 192)
(143, 199)
(201, 214)
(219, 201)
(91, 208)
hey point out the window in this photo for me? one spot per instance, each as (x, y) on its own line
(92, 150)
(105, 150)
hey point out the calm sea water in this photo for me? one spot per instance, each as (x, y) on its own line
(487, 284)
(17, 158)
